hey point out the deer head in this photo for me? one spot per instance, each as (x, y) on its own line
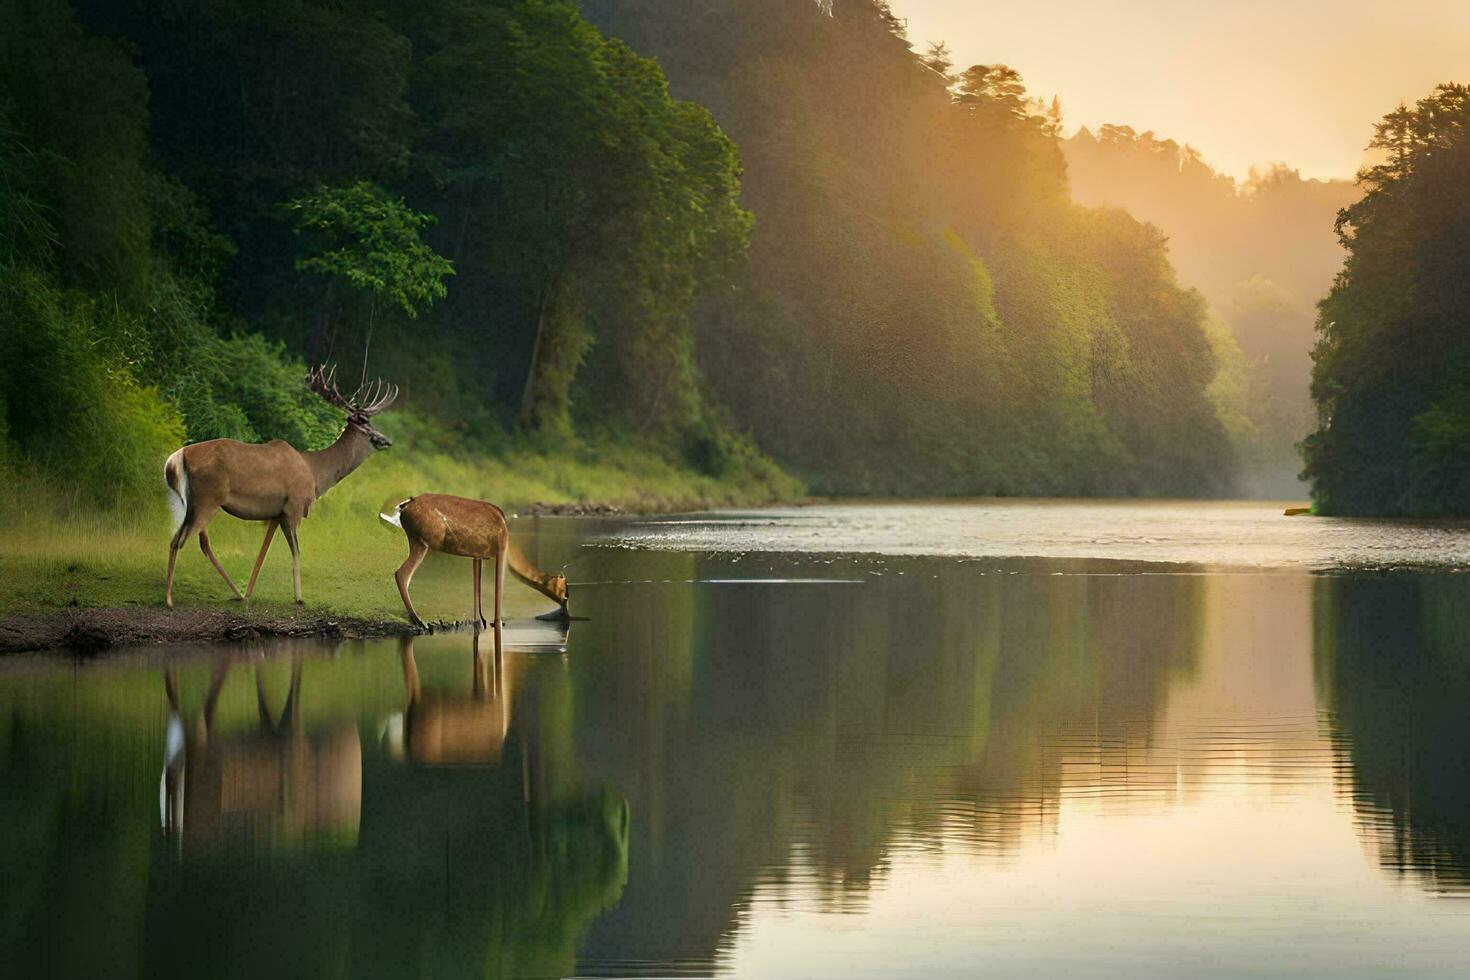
(365, 402)
(558, 586)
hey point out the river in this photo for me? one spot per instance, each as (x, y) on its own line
(1010, 738)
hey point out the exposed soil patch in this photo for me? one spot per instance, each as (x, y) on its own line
(90, 631)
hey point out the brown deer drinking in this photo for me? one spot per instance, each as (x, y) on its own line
(473, 529)
(553, 585)
(272, 482)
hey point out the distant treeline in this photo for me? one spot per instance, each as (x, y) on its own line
(1261, 251)
(545, 246)
(1392, 372)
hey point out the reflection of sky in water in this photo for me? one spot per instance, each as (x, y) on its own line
(1220, 839)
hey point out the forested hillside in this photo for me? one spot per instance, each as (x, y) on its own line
(511, 214)
(925, 309)
(1392, 363)
(1261, 251)
(199, 197)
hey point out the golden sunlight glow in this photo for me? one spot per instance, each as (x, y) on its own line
(1247, 82)
(1187, 812)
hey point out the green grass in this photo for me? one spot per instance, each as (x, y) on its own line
(60, 553)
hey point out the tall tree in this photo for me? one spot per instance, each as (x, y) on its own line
(1393, 353)
(369, 239)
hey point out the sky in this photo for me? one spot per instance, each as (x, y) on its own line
(1245, 81)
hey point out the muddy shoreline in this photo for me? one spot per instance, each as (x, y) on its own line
(92, 631)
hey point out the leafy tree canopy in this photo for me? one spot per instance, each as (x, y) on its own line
(371, 239)
(1393, 350)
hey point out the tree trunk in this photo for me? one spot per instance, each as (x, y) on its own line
(319, 344)
(528, 391)
(368, 343)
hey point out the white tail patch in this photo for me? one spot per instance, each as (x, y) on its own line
(393, 518)
(176, 478)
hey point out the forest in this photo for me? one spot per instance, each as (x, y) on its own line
(924, 308)
(1261, 251)
(201, 198)
(1391, 368)
(808, 244)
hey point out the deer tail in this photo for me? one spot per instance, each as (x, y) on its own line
(394, 517)
(176, 478)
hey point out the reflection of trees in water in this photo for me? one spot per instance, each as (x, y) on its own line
(1081, 677)
(461, 878)
(821, 727)
(78, 823)
(1394, 669)
(449, 869)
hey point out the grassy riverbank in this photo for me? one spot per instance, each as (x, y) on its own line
(59, 553)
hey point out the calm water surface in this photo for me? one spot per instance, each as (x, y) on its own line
(908, 740)
(1244, 534)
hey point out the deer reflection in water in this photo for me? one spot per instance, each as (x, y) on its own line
(441, 728)
(492, 848)
(276, 784)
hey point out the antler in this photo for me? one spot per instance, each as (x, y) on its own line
(373, 397)
(368, 400)
(324, 383)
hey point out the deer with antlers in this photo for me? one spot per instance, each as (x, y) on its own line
(272, 482)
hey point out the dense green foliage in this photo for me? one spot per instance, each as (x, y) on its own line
(199, 197)
(1262, 253)
(925, 309)
(505, 211)
(372, 241)
(1390, 376)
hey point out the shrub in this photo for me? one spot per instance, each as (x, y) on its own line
(73, 410)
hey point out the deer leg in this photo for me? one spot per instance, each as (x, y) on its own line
(291, 713)
(289, 530)
(171, 688)
(498, 667)
(168, 589)
(193, 521)
(216, 682)
(270, 532)
(480, 681)
(410, 671)
(500, 560)
(479, 612)
(209, 553)
(177, 542)
(262, 709)
(416, 552)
